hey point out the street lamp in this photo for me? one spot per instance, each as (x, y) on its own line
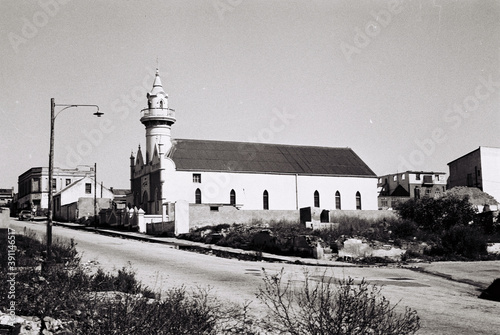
(95, 196)
(53, 116)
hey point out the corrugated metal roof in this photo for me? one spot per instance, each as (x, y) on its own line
(120, 191)
(200, 155)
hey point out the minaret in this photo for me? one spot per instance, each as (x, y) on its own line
(157, 119)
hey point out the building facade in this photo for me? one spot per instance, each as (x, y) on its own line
(400, 187)
(479, 168)
(33, 185)
(6, 196)
(249, 176)
(77, 199)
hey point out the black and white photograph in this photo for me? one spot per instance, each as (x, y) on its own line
(257, 167)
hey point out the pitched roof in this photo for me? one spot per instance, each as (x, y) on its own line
(201, 155)
(89, 177)
(72, 184)
(120, 191)
(400, 191)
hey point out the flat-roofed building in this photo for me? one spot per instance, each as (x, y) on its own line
(33, 185)
(400, 187)
(479, 168)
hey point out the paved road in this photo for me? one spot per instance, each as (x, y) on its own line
(445, 307)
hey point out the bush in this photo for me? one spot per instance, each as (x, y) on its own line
(124, 281)
(437, 215)
(325, 308)
(465, 241)
(238, 236)
(351, 225)
(403, 228)
(31, 250)
(75, 297)
(179, 312)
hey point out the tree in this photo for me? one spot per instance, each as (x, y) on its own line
(437, 215)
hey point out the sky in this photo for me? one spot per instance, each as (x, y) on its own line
(408, 85)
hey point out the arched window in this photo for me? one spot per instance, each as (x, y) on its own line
(265, 199)
(232, 198)
(338, 204)
(316, 199)
(197, 196)
(358, 200)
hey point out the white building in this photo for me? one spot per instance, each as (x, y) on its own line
(249, 176)
(76, 200)
(479, 168)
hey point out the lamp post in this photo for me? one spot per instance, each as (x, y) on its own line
(53, 116)
(95, 196)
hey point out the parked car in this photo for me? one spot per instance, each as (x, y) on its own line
(25, 215)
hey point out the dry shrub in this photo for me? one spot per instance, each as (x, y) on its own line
(325, 307)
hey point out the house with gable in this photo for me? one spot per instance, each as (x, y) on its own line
(76, 200)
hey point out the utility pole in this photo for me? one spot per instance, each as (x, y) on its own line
(95, 196)
(51, 172)
(53, 116)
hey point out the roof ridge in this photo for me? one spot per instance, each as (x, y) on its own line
(261, 143)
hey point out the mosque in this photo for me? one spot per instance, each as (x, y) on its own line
(248, 176)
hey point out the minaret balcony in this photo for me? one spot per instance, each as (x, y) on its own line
(166, 114)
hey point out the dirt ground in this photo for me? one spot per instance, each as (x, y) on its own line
(445, 295)
(480, 274)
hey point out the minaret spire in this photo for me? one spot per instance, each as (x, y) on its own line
(157, 119)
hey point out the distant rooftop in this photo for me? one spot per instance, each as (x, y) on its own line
(479, 148)
(119, 191)
(413, 171)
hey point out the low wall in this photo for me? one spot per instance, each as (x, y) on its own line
(368, 214)
(202, 215)
(4, 217)
(158, 228)
(86, 206)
